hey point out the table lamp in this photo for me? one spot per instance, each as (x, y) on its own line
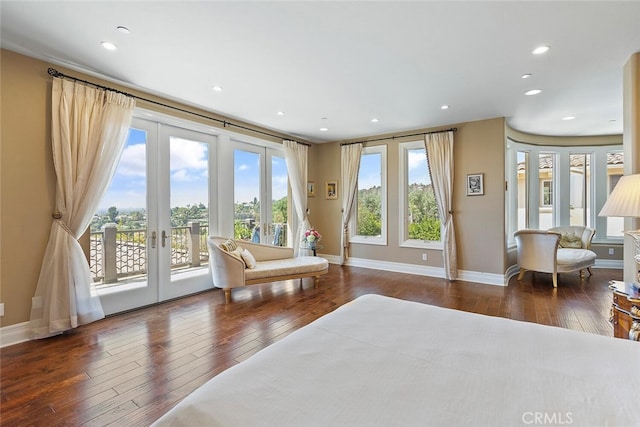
(624, 201)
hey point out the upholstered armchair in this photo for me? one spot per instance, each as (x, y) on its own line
(541, 250)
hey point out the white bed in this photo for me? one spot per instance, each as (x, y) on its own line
(379, 361)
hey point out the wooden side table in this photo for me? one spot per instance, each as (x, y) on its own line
(625, 310)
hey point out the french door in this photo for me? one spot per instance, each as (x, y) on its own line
(159, 210)
(260, 195)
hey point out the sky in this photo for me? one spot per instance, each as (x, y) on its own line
(417, 167)
(188, 175)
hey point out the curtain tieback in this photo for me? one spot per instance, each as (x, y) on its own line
(58, 217)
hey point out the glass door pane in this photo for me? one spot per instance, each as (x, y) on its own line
(184, 170)
(123, 247)
(278, 231)
(247, 193)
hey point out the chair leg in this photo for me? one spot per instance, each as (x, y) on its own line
(589, 270)
(227, 295)
(581, 274)
(555, 280)
(521, 275)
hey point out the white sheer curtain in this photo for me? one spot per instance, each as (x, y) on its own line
(439, 147)
(296, 156)
(350, 165)
(89, 128)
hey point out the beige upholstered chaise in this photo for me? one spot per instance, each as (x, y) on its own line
(272, 264)
(558, 250)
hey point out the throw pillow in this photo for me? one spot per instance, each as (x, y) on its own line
(570, 240)
(249, 259)
(238, 254)
(229, 246)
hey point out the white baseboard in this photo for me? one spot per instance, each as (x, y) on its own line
(470, 276)
(14, 334)
(333, 259)
(18, 333)
(609, 263)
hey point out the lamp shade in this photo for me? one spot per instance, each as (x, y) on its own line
(624, 200)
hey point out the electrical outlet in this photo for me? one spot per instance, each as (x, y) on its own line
(611, 251)
(1, 309)
(424, 257)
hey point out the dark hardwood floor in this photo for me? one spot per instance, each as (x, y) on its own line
(131, 368)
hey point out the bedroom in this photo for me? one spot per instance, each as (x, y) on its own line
(480, 147)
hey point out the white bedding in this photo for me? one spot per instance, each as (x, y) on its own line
(379, 361)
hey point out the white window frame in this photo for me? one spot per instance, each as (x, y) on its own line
(373, 240)
(561, 180)
(403, 215)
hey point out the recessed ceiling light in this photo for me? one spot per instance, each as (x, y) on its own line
(123, 30)
(217, 88)
(526, 76)
(533, 92)
(568, 118)
(374, 120)
(280, 113)
(324, 129)
(540, 50)
(109, 45)
(444, 107)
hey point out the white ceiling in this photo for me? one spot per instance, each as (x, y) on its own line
(340, 64)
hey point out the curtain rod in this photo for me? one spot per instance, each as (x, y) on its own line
(401, 136)
(55, 73)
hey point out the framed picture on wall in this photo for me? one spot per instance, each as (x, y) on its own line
(475, 184)
(311, 189)
(331, 190)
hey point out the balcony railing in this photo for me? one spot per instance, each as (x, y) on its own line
(116, 255)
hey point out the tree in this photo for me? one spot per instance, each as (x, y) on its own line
(425, 221)
(112, 213)
(279, 211)
(370, 212)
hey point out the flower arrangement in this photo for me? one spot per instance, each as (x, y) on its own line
(311, 236)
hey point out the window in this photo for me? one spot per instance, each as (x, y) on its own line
(547, 192)
(546, 165)
(370, 213)
(615, 169)
(554, 186)
(580, 189)
(420, 224)
(522, 159)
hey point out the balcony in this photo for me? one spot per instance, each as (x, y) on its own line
(117, 256)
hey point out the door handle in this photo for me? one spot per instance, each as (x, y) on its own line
(154, 236)
(164, 238)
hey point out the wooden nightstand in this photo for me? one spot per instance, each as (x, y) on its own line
(625, 310)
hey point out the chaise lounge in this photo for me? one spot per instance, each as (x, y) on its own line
(557, 250)
(242, 263)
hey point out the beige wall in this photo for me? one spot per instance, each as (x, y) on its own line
(478, 148)
(631, 114)
(563, 141)
(27, 180)
(27, 177)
